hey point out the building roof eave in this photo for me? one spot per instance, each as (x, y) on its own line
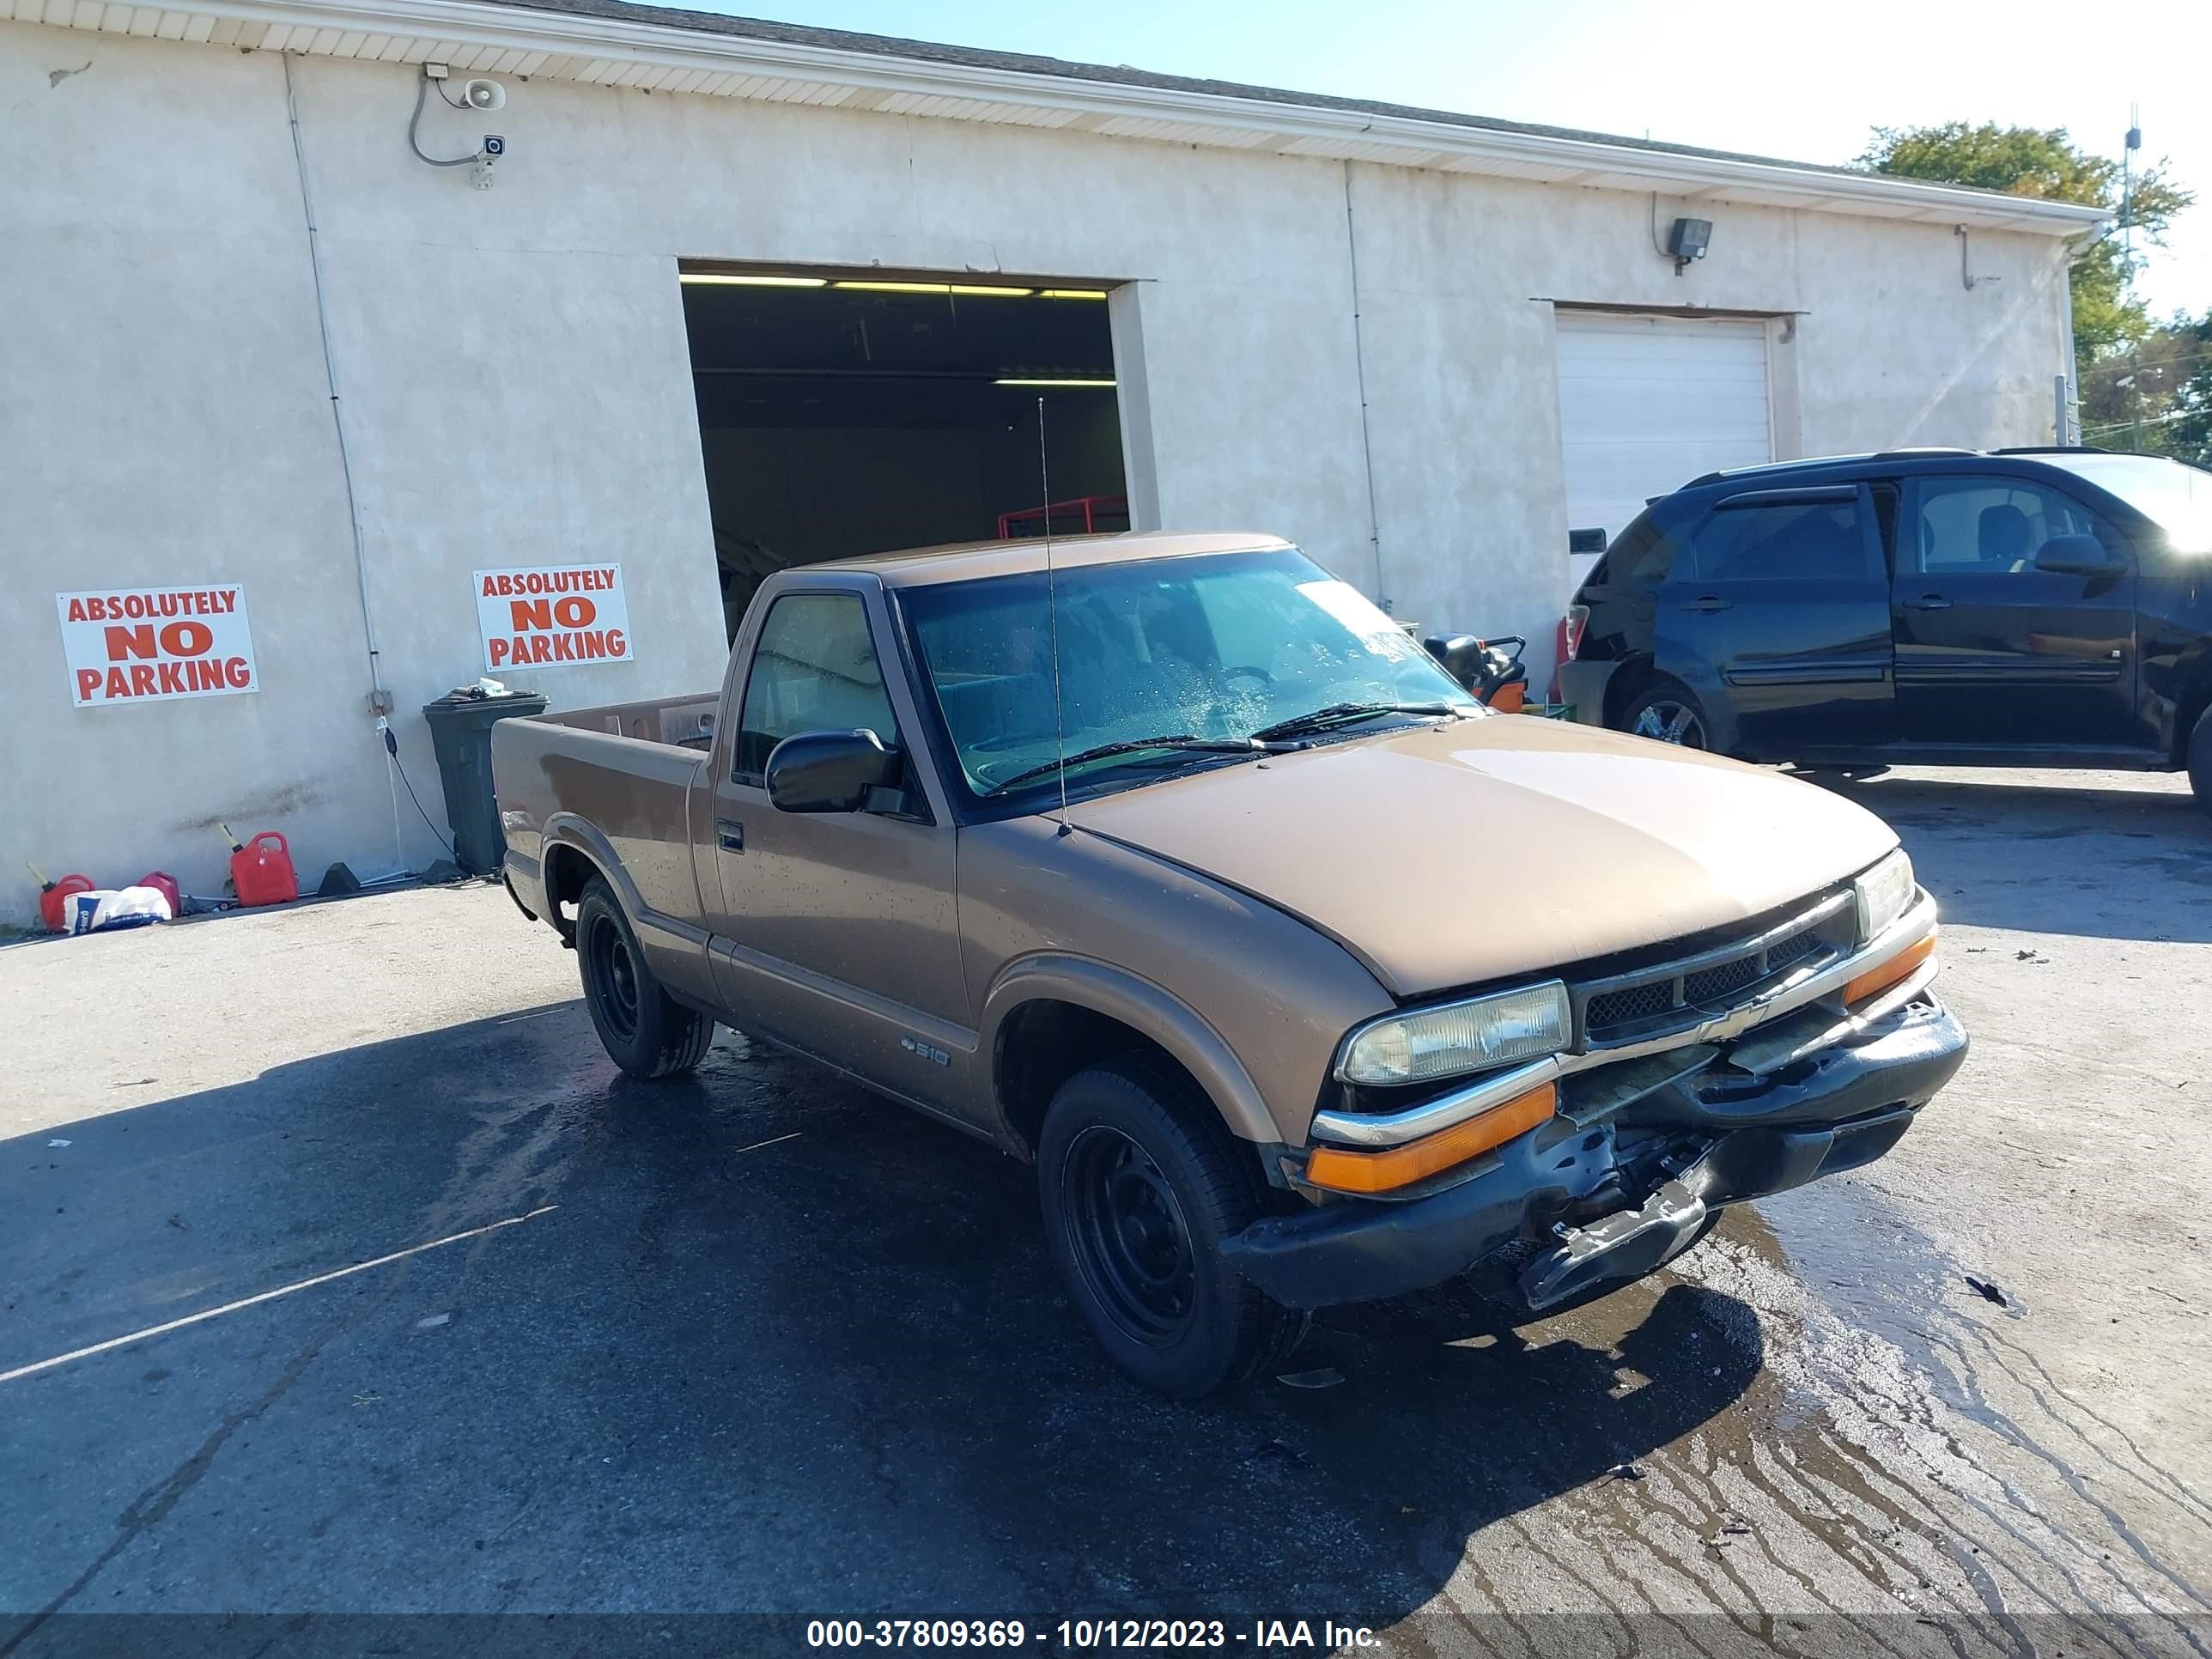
(607, 42)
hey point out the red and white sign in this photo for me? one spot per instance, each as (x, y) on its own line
(152, 644)
(553, 614)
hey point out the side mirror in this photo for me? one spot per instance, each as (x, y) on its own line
(2078, 556)
(1460, 655)
(829, 771)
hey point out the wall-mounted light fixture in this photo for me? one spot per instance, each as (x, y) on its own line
(976, 290)
(875, 285)
(747, 279)
(1687, 240)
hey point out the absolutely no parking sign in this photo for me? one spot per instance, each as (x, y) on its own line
(155, 644)
(560, 613)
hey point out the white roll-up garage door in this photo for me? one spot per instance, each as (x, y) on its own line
(1647, 403)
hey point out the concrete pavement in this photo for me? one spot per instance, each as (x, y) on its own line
(760, 1343)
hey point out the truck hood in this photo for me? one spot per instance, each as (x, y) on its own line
(1471, 850)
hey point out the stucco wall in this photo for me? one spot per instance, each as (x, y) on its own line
(517, 390)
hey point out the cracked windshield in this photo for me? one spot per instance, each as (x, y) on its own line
(1163, 655)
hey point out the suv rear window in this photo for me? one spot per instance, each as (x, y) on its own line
(1639, 555)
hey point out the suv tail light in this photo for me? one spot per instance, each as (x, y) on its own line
(1568, 644)
(1571, 631)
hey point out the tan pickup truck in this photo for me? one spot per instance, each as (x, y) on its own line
(1177, 869)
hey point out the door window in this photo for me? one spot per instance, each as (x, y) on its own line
(815, 670)
(1987, 526)
(1782, 541)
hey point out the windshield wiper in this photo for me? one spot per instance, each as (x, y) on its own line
(1346, 713)
(1130, 746)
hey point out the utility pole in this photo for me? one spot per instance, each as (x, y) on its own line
(2128, 251)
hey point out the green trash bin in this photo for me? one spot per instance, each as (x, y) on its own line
(460, 737)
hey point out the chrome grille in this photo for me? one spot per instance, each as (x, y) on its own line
(1680, 991)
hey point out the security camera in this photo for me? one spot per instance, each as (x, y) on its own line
(484, 95)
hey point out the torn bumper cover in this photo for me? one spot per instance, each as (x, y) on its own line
(1711, 1135)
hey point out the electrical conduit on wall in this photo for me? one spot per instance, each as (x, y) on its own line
(1359, 363)
(379, 699)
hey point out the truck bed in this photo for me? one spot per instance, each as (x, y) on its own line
(603, 778)
(687, 721)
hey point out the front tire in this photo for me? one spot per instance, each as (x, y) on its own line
(1140, 1185)
(1667, 710)
(646, 1032)
(2200, 760)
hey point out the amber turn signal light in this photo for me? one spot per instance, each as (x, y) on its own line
(1898, 967)
(1345, 1171)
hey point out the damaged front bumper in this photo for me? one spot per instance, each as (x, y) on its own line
(1627, 1176)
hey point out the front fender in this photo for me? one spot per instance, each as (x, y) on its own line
(1145, 1008)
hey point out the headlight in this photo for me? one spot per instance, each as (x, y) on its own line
(1459, 1036)
(1883, 893)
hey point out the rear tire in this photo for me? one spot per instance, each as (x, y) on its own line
(646, 1032)
(1667, 711)
(1140, 1184)
(2200, 760)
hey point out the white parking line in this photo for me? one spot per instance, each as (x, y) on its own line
(271, 1296)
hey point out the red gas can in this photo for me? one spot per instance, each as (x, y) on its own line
(166, 885)
(53, 895)
(261, 871)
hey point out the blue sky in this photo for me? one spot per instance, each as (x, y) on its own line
(1800, 82)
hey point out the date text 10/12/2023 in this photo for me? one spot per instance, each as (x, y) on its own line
(1092, 1635)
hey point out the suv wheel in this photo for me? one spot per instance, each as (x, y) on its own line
(2200, 760)
(645, 1030)
(1665, 709)
(1140, 1184)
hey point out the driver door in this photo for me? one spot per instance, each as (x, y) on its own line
(838, 935)
(1993, 648)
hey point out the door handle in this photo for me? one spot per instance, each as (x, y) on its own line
(730, 834)
(1707, 602)
(1928, 602)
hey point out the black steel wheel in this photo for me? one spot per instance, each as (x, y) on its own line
(1140, 1183)
(1127, 1235)
(610, 975)
(645, 1030)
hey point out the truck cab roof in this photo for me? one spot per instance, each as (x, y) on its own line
(971, 561)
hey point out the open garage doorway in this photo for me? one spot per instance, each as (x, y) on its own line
(848, 413)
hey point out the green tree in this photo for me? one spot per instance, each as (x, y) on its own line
(2155, 395)
(2044, 163)
(2184, 424)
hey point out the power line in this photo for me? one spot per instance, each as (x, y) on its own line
(2167, 419)
(2139, 365)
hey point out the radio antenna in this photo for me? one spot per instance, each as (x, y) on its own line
(1052, 621)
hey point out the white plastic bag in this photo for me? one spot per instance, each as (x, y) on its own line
(106, 908)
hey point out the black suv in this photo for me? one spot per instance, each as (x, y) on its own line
(1953, 607)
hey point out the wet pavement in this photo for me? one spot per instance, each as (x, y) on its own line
(759, 1343)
